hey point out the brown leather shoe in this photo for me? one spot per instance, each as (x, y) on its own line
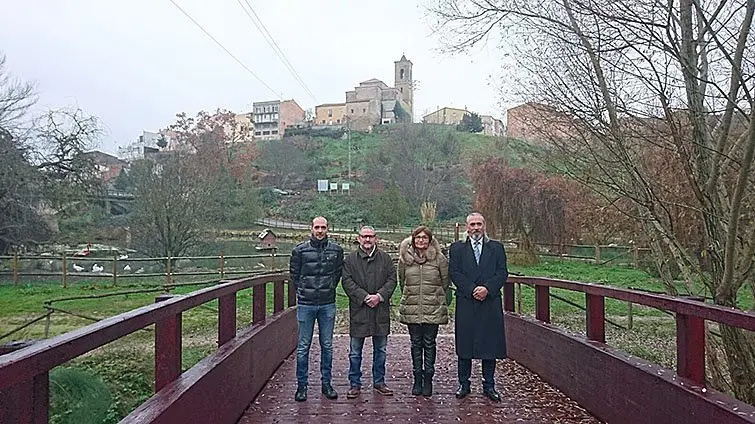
(353, 393)
(383, 390)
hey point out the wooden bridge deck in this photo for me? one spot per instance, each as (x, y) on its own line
(526, 398)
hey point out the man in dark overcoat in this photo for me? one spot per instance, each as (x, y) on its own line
(369, 279)
(477, 267)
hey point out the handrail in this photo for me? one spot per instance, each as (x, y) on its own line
(710, 312)
(690, 316)
(38, 359)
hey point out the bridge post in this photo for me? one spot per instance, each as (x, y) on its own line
(542, 303)
(259, 295)
(167, 347)
(596, 314)
(291, 293)
(508, 297)
(278, 298)
(226, 318)
(690, 347)
(27, 402)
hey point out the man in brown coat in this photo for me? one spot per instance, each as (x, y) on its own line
(369, 279)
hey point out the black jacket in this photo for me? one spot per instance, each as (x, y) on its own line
(316, 267)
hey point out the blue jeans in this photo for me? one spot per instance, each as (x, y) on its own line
(325, 315)
(379, 345)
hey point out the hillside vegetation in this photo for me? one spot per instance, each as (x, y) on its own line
(393, 171)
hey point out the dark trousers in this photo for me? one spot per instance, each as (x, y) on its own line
(488, 373)
(422, 337)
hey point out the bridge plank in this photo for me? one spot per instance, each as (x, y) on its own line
(526, 398)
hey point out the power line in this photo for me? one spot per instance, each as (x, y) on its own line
(274, 45)
(226, 50)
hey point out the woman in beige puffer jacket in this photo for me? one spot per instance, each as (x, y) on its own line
(423, 277)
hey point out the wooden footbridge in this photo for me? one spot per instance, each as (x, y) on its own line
(551, 376)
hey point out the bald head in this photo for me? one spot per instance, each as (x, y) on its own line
(319, 228)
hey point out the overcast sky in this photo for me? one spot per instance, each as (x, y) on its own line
(135, 64)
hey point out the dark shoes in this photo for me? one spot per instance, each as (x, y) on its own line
(353, 392)
(462, 391)
(328, 391)
(301, 394)
(427, 386)
(417, 386)
(492, 395)
(383, 390)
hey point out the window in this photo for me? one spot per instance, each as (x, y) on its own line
(265, 132)
(323, 122)
(401, 89)
(258, 133)
(364, 110)
(330, 113)
(401, 74)
(338, 121)
(352, 110)
(275, 132)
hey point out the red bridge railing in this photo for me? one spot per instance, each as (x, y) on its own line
(24, 387)
(611, 384)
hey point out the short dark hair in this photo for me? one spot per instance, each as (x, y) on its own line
(422, 229)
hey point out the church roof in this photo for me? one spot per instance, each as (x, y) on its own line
(371, 81)
(403, 59)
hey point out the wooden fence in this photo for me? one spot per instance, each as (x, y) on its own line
(66, 267)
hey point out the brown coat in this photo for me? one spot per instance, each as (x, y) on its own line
(363, 275)
(423, 286)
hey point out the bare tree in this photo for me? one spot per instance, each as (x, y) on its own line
(626, 82)
(423, 161)
(172, 204)
(16, 97)
(61, 138)
(20, 195)
(42, 169)
(283, 161)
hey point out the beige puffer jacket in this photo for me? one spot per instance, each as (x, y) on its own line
(423, 286)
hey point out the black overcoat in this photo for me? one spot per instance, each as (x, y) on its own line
(479, 324)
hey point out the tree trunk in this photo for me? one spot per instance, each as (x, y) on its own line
(715, 360)
(738, 347)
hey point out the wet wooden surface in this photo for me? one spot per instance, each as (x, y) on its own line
(525, 397)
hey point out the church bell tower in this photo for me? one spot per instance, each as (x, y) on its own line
(404, 83)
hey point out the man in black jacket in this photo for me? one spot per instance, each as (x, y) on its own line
(315, 268)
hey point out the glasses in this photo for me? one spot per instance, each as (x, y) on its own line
(422, 237)
(367, 236)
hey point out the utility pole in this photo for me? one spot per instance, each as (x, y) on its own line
(348, 136)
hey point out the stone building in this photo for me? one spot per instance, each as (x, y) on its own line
(537, 123)
(330, 114)
(271, 118)
(445, 116)
(373, 102)
(492, 126)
